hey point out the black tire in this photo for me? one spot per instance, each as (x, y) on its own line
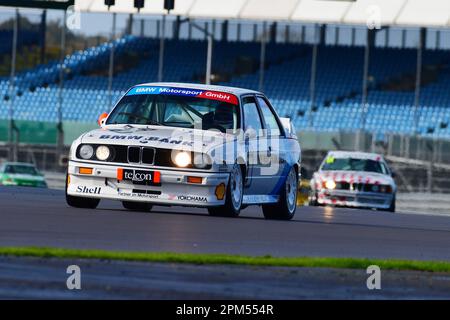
(137, 206)
(233, 205)
(392, 206)
(284, 209)
(81, 202)
(313, 202)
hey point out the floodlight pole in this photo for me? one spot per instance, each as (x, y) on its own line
(13, 142)
(365, 80)
(111, 59)
(209, 60)
(262, 59)
(60, 138)
(312, 83)
(418, 79)
(364, 90)
(161, 49)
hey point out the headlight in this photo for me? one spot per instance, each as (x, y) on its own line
(330, 184)
(201, 160)
(102, 153)
(86, 151)
(182, 159)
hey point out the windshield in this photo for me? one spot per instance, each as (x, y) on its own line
(351, 164)
(20, 169)
(176, 111)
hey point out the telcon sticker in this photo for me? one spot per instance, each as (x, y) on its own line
(205, 94)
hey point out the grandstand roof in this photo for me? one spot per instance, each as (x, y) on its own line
(430, 13)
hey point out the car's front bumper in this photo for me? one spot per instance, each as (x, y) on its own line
(174, 189)
(355, 199)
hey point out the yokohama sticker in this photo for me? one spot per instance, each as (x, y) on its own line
(193, 198)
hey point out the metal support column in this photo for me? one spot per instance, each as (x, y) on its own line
(13, 141)
(224, 33)
(431, 149)
(238, 31)
(336, 36)
(130, 24)
(420, 45)
(312, 81)
(111, 60)
(386, 38)
(287, 34)
(161, 49)
(365, 80)
(262, 58)
(438, 39)
(60, 138)
(176, 29)
(361, 132)
(209, 59)
(42, 31)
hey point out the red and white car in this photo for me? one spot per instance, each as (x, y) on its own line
(354, 179)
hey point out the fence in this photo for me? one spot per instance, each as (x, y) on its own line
(419, 148)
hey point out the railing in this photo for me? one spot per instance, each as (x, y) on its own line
(419, 148)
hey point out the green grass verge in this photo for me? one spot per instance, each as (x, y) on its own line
(351, 263)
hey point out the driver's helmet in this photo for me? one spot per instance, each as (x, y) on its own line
(223, 115)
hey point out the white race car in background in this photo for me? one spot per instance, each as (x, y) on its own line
(188, 145)
(354, 179)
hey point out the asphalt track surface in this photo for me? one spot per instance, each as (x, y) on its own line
(32, 278)
(40, 217)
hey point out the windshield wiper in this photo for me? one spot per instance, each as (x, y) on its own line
(155, 122)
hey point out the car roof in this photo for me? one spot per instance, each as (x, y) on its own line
(356, 155)
(198, 86)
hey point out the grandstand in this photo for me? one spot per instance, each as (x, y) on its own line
(287, 67)
(338, 97)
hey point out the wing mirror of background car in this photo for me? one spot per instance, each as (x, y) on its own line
(304, 173)
(102, 118)
(393, 174)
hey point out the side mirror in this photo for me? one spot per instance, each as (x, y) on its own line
(102, 118)
(393, 174)
(289, 128)
(304, 173)
(249, 134)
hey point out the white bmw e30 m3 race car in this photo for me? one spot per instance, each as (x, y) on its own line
(191, 145)
(354, 179)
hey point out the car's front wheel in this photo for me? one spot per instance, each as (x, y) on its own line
(312, 201)
(392, 206)
(80, 202)
(233, 198)
(285, 208)
(136, 206)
